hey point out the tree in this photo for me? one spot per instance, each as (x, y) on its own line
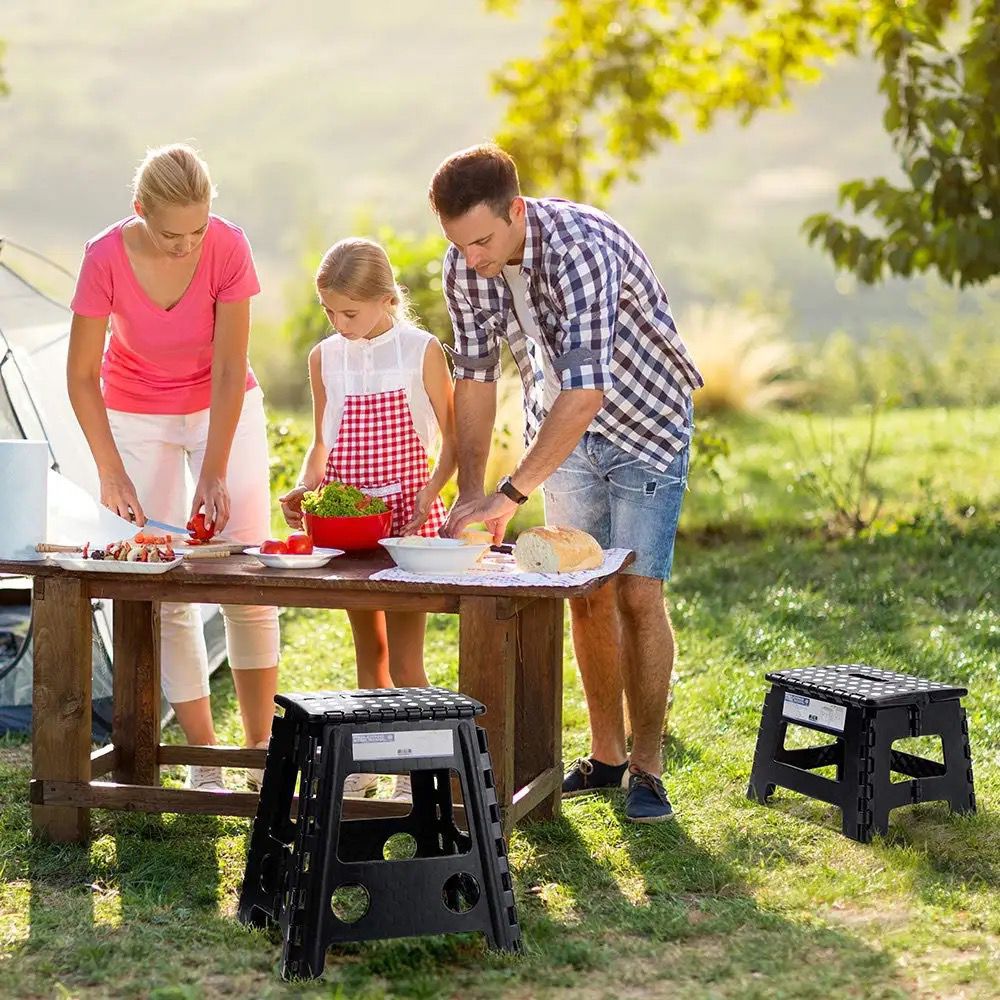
(4, 89)
(616, 78)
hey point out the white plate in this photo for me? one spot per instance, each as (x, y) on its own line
(275, 560)
(433, 556)
(112, 565)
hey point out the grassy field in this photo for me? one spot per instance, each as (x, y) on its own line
(732, 900)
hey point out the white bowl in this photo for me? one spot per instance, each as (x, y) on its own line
(277, 560)
(433, 556)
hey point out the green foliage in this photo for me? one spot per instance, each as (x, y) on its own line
(4, 89)
(416, 263)
(708, 447)
(839, 477)
(616, 78)
(943, 113)
(957, 365)
(287, 440)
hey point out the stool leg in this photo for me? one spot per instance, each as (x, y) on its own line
(770, 738)
(958, 762)
(856, 789)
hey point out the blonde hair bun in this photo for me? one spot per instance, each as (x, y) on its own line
(172, 175)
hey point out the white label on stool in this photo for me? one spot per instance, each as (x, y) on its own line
(403, 744)
(819, 713)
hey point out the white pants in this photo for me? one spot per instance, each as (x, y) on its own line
(155, 449)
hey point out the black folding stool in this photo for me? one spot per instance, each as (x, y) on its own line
(866, 709)
(457, 880)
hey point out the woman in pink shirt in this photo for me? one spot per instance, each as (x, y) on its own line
(172, 390)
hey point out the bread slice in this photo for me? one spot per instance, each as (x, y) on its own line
(556, 550)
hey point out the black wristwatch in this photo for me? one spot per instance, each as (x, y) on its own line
(509, 490)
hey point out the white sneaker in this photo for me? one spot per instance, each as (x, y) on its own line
(255, 775)
(205, 779)
(360, 786)
(402, 792)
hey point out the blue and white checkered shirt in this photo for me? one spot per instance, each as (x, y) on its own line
(604, 319)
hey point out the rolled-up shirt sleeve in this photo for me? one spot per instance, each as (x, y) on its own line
(586, 289)
(476, 354)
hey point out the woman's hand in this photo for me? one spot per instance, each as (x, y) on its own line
(291, 506)
(212, 494)
(422, 504)
(118, 495)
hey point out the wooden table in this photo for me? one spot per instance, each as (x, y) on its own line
(509, 657)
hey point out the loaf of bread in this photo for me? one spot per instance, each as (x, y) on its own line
(477, 536)
(556, 550)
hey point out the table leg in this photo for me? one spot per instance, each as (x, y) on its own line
(538, 700)
(62, 633)
(136, 720)
(486, 672)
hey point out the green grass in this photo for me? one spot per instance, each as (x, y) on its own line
(733, 900)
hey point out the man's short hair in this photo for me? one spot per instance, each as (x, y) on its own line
(479, 175)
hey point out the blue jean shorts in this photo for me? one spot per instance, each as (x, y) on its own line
(621, 500)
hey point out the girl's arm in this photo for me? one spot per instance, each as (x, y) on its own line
(314, 465)
(229, 381)
(83, 382)
(437, 382)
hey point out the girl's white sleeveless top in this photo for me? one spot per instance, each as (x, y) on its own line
(393, 360)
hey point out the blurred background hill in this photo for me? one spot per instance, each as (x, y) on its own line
(315, 115)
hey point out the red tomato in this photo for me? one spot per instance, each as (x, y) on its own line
(199, 529)
(274, 546)
(300, 544)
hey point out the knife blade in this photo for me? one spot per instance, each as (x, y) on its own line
(163, 526)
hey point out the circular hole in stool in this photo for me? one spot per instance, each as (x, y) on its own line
(399, 847)
(461, 892)
(349, 903)
(269, 872)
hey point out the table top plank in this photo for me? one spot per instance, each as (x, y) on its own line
(350, 573)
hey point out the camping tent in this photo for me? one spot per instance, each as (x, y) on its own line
(34, 338)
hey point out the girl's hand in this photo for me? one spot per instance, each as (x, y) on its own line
(422, 504)
(291, 506)
(118, 495)
(212, 494)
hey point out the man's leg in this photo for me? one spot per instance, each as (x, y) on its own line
(647, 662)
(597, 645)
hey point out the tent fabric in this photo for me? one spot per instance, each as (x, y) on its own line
(34, 404)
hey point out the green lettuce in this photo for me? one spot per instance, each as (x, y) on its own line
(339, 500)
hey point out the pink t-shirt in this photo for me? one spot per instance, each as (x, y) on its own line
(160, 360)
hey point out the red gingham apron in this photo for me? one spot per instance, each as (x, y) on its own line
(379, 451)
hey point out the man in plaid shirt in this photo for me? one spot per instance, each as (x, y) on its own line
(607, 389)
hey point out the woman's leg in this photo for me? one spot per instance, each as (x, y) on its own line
(252, 634)
(195, 718)
(152, 450)
(371, 648)
(405, 631)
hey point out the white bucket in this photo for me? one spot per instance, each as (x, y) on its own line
(24, 467)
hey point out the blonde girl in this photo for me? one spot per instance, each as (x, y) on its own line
(382, 397)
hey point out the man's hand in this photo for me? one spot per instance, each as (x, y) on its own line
(495, 511)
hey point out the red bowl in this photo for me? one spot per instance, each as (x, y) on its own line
(352, 534)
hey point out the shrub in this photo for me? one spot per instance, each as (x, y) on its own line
(745, 360)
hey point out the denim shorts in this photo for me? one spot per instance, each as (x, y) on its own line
(621, 500)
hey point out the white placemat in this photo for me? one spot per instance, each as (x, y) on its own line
(501, 571)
